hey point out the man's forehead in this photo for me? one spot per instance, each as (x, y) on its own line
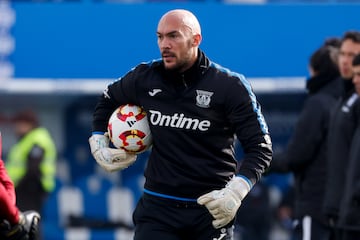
(170, 20)
(350, 46)
(356, 69)
(170, 26)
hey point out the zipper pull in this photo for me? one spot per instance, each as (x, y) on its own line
(183, 80)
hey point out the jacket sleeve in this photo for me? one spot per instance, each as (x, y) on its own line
(5, 181)
(117, 93)
(355, 156)
(251, 130)
(309, 133)
(34, 159)
(7, 184)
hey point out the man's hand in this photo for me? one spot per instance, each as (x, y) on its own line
(223, 204)
(111, 159)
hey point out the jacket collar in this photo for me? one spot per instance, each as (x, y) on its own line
(190, 76)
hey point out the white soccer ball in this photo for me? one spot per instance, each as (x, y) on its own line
(129, 129)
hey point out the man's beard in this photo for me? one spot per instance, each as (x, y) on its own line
(176, 68)
(179, 66)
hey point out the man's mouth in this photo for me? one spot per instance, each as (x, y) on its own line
(166, 56)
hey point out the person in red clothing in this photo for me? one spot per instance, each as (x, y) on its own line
(14, 225)
(8, 210)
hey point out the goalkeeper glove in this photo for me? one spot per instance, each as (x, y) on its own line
(111, 159)
(223, 204)
(15, 232)
(31, 223)
(26, 229)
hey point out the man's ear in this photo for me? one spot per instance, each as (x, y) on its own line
(196, 40)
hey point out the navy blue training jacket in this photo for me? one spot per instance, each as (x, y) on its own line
(194, 117)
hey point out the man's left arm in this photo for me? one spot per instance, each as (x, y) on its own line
(253, 134)
(251, 130)
(34, 160)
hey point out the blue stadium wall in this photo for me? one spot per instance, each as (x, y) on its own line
(103, 40)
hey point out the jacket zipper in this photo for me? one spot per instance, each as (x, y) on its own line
(183, 80)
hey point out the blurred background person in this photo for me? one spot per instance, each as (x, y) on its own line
(253, 220)
(341, 129)
(305, 155)
(356, 74)
(284, 212)
(31, 162)
(349, 214)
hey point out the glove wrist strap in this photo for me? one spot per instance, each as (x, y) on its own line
(239, 186)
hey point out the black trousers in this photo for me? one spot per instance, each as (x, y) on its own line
(162, 218)
(349, 235)
(310, 229)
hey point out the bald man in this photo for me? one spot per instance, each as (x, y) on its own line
(193, 185)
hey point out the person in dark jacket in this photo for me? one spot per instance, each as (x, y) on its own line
(305, 155)
(349, 215)
(195, 108)
(341, 129)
